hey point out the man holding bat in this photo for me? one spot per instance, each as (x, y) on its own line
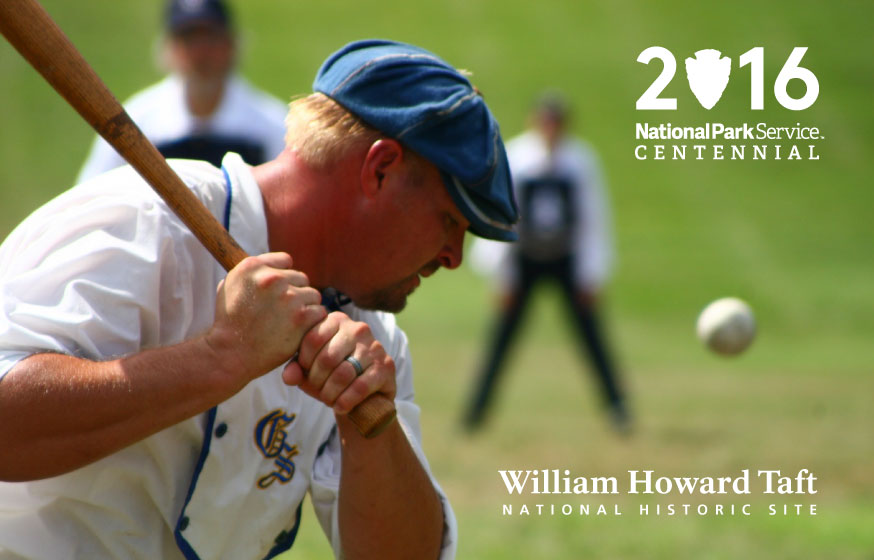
(143, 414)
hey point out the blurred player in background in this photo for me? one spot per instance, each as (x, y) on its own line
(564, 236)
(203, 109)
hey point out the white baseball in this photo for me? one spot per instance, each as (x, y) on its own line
(727, 326)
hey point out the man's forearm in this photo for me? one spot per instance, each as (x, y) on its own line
(388, 507)
(59, 413)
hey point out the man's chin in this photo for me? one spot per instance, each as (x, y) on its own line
(391, 301)
(390, 305)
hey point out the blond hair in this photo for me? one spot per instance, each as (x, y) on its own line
(322, 132)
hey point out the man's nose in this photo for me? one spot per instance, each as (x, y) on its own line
(451, 255)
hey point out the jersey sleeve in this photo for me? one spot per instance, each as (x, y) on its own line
(326, 470)
(95, 275)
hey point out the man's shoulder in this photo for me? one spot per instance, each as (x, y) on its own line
(123, 186)
(194, 172)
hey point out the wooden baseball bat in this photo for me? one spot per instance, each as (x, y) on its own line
(33, 33)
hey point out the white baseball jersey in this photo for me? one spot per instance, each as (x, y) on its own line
(106, 270)
(575, 161)
(247, 121)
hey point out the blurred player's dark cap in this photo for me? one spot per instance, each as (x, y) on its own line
(552, 104)
(184, 14)
(418, 99)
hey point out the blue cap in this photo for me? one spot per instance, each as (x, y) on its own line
(411, 95)
(185, 13)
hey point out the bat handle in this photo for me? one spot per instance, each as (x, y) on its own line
(373, 415)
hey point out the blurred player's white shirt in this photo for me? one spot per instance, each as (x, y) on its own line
(245, 113)
(106, 270)
(592, 241)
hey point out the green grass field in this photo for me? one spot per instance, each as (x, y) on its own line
(794, 238)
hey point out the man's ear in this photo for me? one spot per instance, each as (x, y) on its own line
(383, 157)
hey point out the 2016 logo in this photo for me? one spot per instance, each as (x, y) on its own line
(708, 75)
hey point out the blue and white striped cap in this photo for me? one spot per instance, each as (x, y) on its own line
(418, 99)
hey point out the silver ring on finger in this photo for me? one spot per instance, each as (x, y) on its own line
(355, 364)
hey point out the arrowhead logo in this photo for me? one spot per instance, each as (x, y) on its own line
(708, 76)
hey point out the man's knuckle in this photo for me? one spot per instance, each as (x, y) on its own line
(249, 263)
(361, 329)
(266, 278)
(300, 316)
(310, 294)
(388, 363)
(297, 278)
(319, 312)
(339, 317)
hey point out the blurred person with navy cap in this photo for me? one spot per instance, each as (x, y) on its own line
(202, 109)
(564, 238)
(178, 411)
